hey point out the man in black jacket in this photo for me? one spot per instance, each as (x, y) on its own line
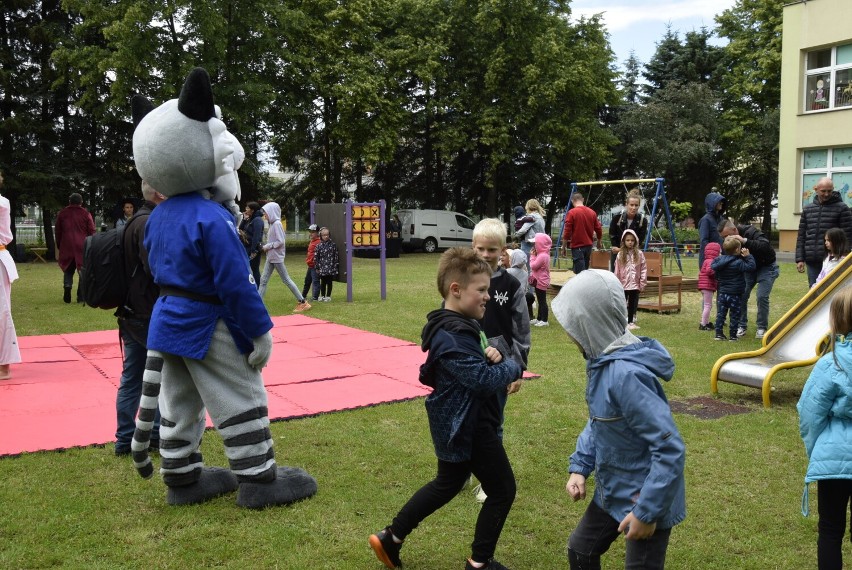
(133, 321)
(828, 210)
(764, 275)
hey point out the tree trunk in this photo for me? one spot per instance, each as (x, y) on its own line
(47, 226)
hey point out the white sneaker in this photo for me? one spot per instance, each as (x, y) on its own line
(479, 494)
(533, 322)
(759, 334)
(632, 326)
(741, 332)
(327, 299)
(542, 324)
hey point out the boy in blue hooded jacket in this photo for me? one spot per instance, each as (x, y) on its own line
(466, 375)
(630, 442)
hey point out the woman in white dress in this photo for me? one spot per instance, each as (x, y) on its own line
(9, 352)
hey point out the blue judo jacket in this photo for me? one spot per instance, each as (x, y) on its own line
(193, 245)
(628, 412)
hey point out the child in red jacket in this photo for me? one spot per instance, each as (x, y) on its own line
(312, 280)
(707, 283)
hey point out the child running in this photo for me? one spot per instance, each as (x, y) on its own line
(836, 247)
(540, 276)
(825, 422)
(707, 284)
(275, 248)
(632, 272)
(327, 263)
(730, 271)
(631, 442)
(464, 413)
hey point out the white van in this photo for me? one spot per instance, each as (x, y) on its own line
(432, 229)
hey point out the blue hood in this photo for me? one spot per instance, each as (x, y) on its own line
(712, 199)
(648, 354)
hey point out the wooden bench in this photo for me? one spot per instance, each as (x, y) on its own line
(659, 285)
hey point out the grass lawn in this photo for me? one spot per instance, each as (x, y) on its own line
(85, 508)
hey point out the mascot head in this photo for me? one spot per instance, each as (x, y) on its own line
(183, 146)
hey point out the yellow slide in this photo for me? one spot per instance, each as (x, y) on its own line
(797, 339)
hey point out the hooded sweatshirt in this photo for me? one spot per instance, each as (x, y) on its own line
(633, 272)
(540, 261)
(521, 217)
(518, 269)
(706, 276)
(630, 442)
(825, 417)
(275, 246)
(465, 386)
(708, 226)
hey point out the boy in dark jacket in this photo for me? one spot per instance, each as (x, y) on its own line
(730, 269)
(464, 413)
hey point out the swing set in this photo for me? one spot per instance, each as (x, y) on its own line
(660, 203)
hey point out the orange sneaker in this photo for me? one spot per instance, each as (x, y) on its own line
(303, 306)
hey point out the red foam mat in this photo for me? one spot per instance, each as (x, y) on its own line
(63, 394)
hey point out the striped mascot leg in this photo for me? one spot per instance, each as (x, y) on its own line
(147, 410)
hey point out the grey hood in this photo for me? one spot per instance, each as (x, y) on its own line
(592, 310)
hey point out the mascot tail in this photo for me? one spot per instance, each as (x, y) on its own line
(147, 412)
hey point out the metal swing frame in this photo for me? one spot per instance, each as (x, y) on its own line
(660, 201)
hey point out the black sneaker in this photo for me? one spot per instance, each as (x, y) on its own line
(733, 339)
(707, 327)
(721, 337)
(385, 548)
(490, 565)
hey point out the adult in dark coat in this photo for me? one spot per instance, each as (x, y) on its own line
(764, 274)
(73, 225)
(251, 229)
(825, 212)
(708, 226)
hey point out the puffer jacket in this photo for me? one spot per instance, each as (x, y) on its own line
(706, 275)
(817, 218)
(633, 273)
(540, 261)
(825, 417)
(708, 225)
(730, 273)
(629, 424)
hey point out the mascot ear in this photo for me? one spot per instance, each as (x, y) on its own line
(196, 97)
(140, 106)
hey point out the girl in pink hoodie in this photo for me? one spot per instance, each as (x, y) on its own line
(540, 276)
(632, 272)
(707, 284)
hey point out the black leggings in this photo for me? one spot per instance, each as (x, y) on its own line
(632, 298)
(491, 466)
(541, 297)
(833, 500)
(326, 282)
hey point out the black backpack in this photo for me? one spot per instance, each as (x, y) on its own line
(103, 279)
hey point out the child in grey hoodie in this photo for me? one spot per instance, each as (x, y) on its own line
(275, 248)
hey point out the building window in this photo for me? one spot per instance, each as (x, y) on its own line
(836, 163)
(828, 78)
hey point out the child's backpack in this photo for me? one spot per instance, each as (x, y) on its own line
(103, 279)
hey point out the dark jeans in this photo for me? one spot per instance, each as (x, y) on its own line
(582, 257)
(312, 283)
(326, 283)
(813, 268)
(530, 297)
(596, 533)
(254, 263)
(68, 280)
(541, 297)
(725, 303)
(490, 465)
(833, 498)
(129, 393)
(632, 298)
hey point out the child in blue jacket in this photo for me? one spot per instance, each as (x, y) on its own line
(825, 422)
(730, 269)
(630, 442)
(464, 413)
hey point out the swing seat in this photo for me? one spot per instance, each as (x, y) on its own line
(661, 290)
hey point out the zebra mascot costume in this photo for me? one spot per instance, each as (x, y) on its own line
(210, 332)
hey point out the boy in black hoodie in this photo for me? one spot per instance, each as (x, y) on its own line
(464, 413)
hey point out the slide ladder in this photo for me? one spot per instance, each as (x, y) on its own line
(797, 339)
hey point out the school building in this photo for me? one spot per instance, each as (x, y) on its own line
(816, 107)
